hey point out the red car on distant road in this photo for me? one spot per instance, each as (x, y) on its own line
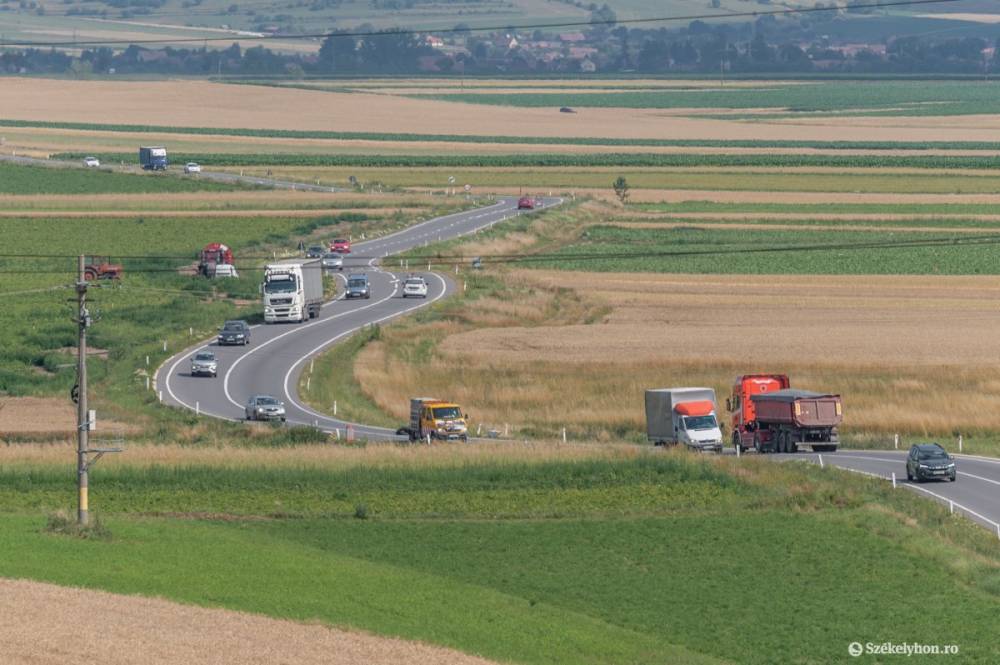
(525, 203)
(341, 246)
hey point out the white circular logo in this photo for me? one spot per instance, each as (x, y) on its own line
(854, 648)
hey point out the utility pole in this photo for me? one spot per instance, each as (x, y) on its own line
(82, 415)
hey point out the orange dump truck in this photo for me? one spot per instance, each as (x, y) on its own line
(771, 417)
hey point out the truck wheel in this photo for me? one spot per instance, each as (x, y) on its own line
(756, 443)
(792, 446)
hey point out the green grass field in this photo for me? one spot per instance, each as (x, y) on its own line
(839, 97)
(16, 179)
(766, 251)
(501, 139)
(661, 558)
(581, 160)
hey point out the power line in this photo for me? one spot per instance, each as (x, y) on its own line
(443, 259)
(453, 30)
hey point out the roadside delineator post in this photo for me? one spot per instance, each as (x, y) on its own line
(164, 345)
(951, 506)
(197, 408)
(739, 449)
(896, 441)
(147, 382)
(821, 461)
(161, 395)
(428, 439)
(564, 435)
(893, 480)
(334, 407)
(959, 443)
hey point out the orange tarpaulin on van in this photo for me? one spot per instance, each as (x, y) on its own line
(702, 408)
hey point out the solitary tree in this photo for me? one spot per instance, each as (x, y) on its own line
(621, 189)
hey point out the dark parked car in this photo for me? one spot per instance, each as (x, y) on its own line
(234, 332)
(265, 407)
(315, 252)
(929, 460)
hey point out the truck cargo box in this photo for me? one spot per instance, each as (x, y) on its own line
(799, 408)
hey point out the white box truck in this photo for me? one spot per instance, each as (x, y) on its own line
(293, 290)
(683, 415)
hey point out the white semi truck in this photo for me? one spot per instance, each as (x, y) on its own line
(683, 415)
(293, 290)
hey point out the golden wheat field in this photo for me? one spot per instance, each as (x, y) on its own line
(200, 103)
(895, 347)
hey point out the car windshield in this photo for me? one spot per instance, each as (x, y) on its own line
(233, 326)
(205, 356)
(447, 412)
(700, 422)
(331, 257)
(192, 164)
(357, 283)
(340, 241)
(414, 282)
(284, 285)
(932, 454)
(266, 401)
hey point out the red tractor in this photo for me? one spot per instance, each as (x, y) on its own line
(100, 267)
(214, 255)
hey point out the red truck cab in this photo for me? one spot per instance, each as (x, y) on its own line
(741, 406)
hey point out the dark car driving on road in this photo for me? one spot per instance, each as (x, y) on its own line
(234, 332)
(927, 461)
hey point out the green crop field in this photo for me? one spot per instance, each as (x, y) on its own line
(501, 139)
(765, 251)
(805, 209)
(583, 160)
(17, 179)
(657, 558)
(839, 97)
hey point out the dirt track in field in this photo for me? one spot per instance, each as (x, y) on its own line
(847, 320)
(200, 103)
(43, 624)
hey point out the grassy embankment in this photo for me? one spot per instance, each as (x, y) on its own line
(533, 555)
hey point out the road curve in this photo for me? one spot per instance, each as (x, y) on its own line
(272, 362)
(975, 493)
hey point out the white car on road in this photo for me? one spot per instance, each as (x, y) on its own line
(192, 167)
(415, 286)
(91, 162)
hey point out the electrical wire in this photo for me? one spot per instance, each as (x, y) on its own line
(531, 26)
(458, 259)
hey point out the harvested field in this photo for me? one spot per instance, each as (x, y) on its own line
(226, 201)
(45, 416)
(762, 320)
(188, 103)
(870, 338)
(43, 624)
(796, 227)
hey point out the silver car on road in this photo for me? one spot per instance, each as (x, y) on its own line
(265, 407)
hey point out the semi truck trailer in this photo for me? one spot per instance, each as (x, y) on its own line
(293, 290)
(153, 158)
(769, 416)
(683, 415)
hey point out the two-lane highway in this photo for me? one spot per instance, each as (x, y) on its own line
(273, 360)
(976, 491)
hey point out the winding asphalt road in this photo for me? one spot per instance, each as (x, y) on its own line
(278, 353)
(975, 493)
